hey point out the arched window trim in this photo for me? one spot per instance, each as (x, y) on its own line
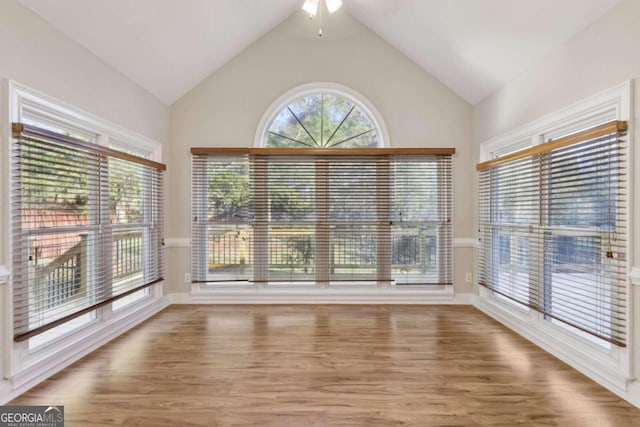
(310, 88)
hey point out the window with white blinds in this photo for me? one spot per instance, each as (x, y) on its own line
(86, 224)
(353, 216)
(553, 227)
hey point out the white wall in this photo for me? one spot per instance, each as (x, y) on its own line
(601, 56)
(38, 56)
(224, 109)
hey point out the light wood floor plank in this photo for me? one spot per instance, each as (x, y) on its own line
(326, 366)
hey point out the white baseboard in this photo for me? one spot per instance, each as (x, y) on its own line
(318, 296)
(43, 369)
(604, 372)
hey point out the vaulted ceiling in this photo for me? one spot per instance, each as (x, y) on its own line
(168, 46)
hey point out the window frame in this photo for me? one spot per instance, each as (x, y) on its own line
(311, 88)
(608, 105)
(20, 102)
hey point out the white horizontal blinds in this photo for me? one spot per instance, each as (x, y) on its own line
(55, 224)
(199, 207)
(62, 191)
(135, 220)
(553, 228)
(585, 192)
(320, 217)
(421, 211)
(290, 220)
(509, 214)
(223, 219)
(352, 217)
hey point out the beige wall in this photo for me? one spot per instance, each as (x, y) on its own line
(602, 56)
(224, 109)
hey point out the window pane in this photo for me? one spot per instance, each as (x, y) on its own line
(419, 192)
(512, 257)
(60, 275)
(55, 186)
(421, 220)
(582, 191)
(134, 232)
(126, 192)
(516, 193)
(346, 124)
(418, 253)
(353, 253)
(574, 268)
(128, 253)
(230, 252)
(291, 253)
(230, 196)
(323, 119)
(53, 124)
(57, 201)
(352, 191)
(292, 195)
(287, 131)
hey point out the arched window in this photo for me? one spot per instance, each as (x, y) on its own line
(322, 116)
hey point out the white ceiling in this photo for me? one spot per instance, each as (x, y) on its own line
(169, 46)
(477, 46)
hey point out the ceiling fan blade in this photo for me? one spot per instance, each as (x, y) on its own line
(333, 5)
(311, 7)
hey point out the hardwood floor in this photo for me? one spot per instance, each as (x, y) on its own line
(326, 366)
